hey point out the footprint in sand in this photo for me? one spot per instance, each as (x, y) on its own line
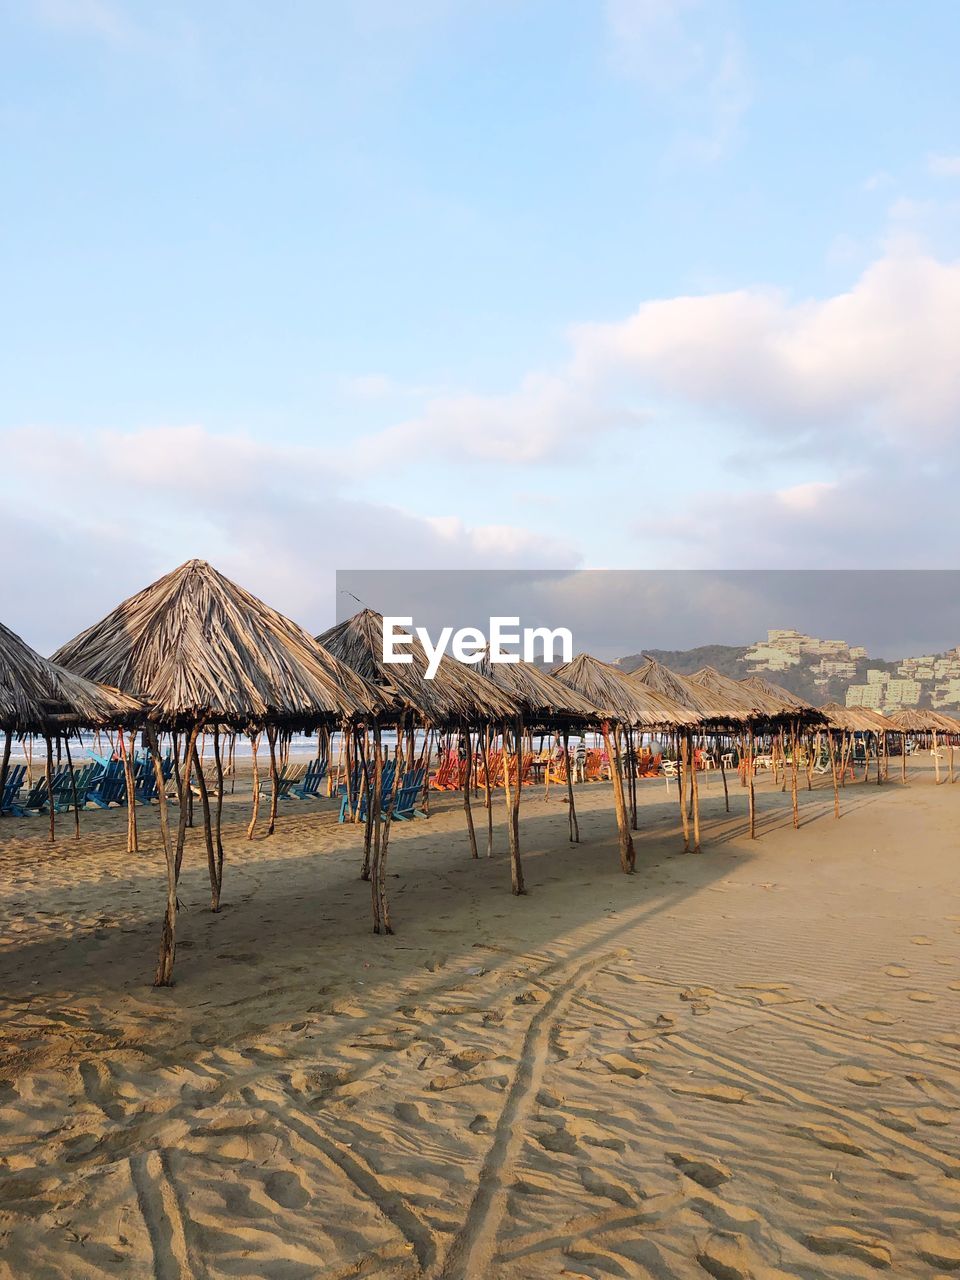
(864, 1076)
(598, 1185)
(922, 997)
(921, 940)
(479, 1124)
(934, 1115)
(285, 1189)
(826, 1136)
(708, 1173)
(953, 986)
(880, 1017)
(938, 1251)
(834, 1241)
(623, 1066)
(712, 1092)
(896, 971)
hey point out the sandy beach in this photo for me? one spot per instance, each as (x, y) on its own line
(739, 1064)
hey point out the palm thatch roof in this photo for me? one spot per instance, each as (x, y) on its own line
(739, 702)
(921, 720)
(197, 647)
(544, 699)
(456, 693)
(855, 719)
(710, 707)
(37, 696)
(789, 704)
(620, 699)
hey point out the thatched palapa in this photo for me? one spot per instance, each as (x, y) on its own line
(198, 648)
(711, 708)
(620, 699)
(201, 651)
(39, 696)
(455, 695)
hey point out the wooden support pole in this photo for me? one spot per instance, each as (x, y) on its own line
(467, 780)
(833, 772)
(695, 794)
(487, 798)
(255, 813)
(218, 823)
(5, 762)
(73, 789)
(274, 779)
(628, 856)
(750, 782)
(164, 972)
(49, 776)
(794, 765)
(571, 807)
(682, 782)
(207, 833)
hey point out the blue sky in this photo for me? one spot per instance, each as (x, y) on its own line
(637, 283)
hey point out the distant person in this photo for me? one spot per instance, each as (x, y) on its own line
(580, 761)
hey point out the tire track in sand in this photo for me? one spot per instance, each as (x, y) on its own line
(472, 1249)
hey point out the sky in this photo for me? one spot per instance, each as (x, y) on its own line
(463, 284)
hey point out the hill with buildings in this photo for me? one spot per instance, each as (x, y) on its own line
(826, 670)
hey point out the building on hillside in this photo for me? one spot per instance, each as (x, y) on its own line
(865, 695)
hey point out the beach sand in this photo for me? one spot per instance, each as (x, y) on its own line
(744, 1063)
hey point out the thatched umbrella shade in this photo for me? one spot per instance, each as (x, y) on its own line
(38, 696)
(923, 721)
(742, 704)
(623, 704)
(793, 713)
(545, 703)
(457, 697)
(201, 651)
(715, 711)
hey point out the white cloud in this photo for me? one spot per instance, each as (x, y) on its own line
(885, 355)
(878, 361)
(944, 166)
(278, 518)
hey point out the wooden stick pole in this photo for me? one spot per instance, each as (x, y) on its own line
(628, 856)
(682, 780)
(73, 789)
(207, 833)
(48, 773)
(487, 799)
(833, 771)
(467, 780)
(274, 779)
(164, 972)
(571, 807)
(218, 825)
(254, 744)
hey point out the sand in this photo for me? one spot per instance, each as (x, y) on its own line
(739, 1064)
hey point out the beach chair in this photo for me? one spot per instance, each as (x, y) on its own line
(448, 775)
(36, 799)
(308, 788)
(15, 776)
(111, 787)
(84, 777)
(593, 765)
(386, 789)
(411, 786)
(288, 775)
